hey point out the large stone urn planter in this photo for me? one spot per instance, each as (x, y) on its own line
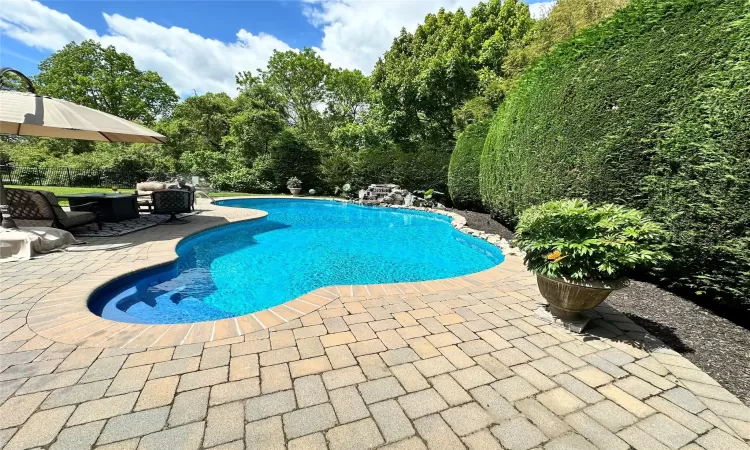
(569, 298)
(295, 191)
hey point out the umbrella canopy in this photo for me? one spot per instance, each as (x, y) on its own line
(29, 114)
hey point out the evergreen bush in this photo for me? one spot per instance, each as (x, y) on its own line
(463, 172)
(649, 109)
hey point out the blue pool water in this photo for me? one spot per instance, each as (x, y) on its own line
(302, 245)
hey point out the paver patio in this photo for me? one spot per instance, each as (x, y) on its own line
(456, 363)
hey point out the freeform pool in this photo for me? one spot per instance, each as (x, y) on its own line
(301, 246)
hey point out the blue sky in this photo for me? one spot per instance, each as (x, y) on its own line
(200, 45)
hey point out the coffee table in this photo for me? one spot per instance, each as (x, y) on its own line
(111, 207)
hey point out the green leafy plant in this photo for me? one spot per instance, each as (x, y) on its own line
(463, 172)
(574, 240)
(293, 183)
(648, 110)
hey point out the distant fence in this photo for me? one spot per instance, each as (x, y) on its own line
(65, 176)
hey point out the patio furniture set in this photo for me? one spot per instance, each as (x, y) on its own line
(41, 208)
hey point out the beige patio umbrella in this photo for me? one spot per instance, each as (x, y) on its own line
(30, 114)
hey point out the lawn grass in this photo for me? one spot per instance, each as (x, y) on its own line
(63, 190)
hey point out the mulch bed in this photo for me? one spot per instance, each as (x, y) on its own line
(713, 338)
(483, 222)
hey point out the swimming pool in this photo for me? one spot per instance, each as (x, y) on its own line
(300, 246)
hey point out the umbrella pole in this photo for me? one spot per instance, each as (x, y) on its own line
(4, 209)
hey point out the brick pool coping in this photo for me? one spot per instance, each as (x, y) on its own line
(79, 326)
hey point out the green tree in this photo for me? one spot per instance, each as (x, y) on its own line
(291, 156)
(566, 19)
(298, 78)
(195, 132)
(425, 76)
(347, 95)
(258, 117)
(106, 80)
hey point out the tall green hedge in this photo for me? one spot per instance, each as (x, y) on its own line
(463, 171)
(651, 109)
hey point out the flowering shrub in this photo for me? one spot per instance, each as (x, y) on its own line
(574, 240)
(293, 183)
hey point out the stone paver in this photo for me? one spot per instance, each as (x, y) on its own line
(80, 436)
(224, 423)
(437, 433)
(422, 403)
(560, 401)
(266, 434)
(514, 388)
(518, 434)
(269, 405)
(103, 408)
(189, 407)
(41, 428)
(438, 364)
(135, 424)
(356, 435)
(309, 420)
(234, 390)
(391, 420)
(310, 391)
(467, 419)
(15, 411)
(185, 437)
(348, 404)
(381, 389)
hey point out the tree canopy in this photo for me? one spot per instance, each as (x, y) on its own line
(107, 80)
(399, 124)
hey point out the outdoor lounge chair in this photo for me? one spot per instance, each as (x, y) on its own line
(172, 202)
(31, 208)
(144, 190)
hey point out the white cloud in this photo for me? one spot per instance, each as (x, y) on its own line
(541, 9)
(357, 32)
(39, 26)
(185, 60)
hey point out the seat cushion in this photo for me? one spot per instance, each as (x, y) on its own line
(78, 218)
(52, 199)
(148, 186)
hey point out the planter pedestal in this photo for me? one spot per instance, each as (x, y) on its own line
(575, 323)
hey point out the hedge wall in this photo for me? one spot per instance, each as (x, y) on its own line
(651, 109)
(463, 171)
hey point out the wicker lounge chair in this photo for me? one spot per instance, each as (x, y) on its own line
(31, 208)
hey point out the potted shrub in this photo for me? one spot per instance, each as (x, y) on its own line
(581, 253)
(294, 185)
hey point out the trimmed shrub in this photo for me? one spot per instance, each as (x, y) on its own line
(420, 169)
(649, 109)
(463, 172)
